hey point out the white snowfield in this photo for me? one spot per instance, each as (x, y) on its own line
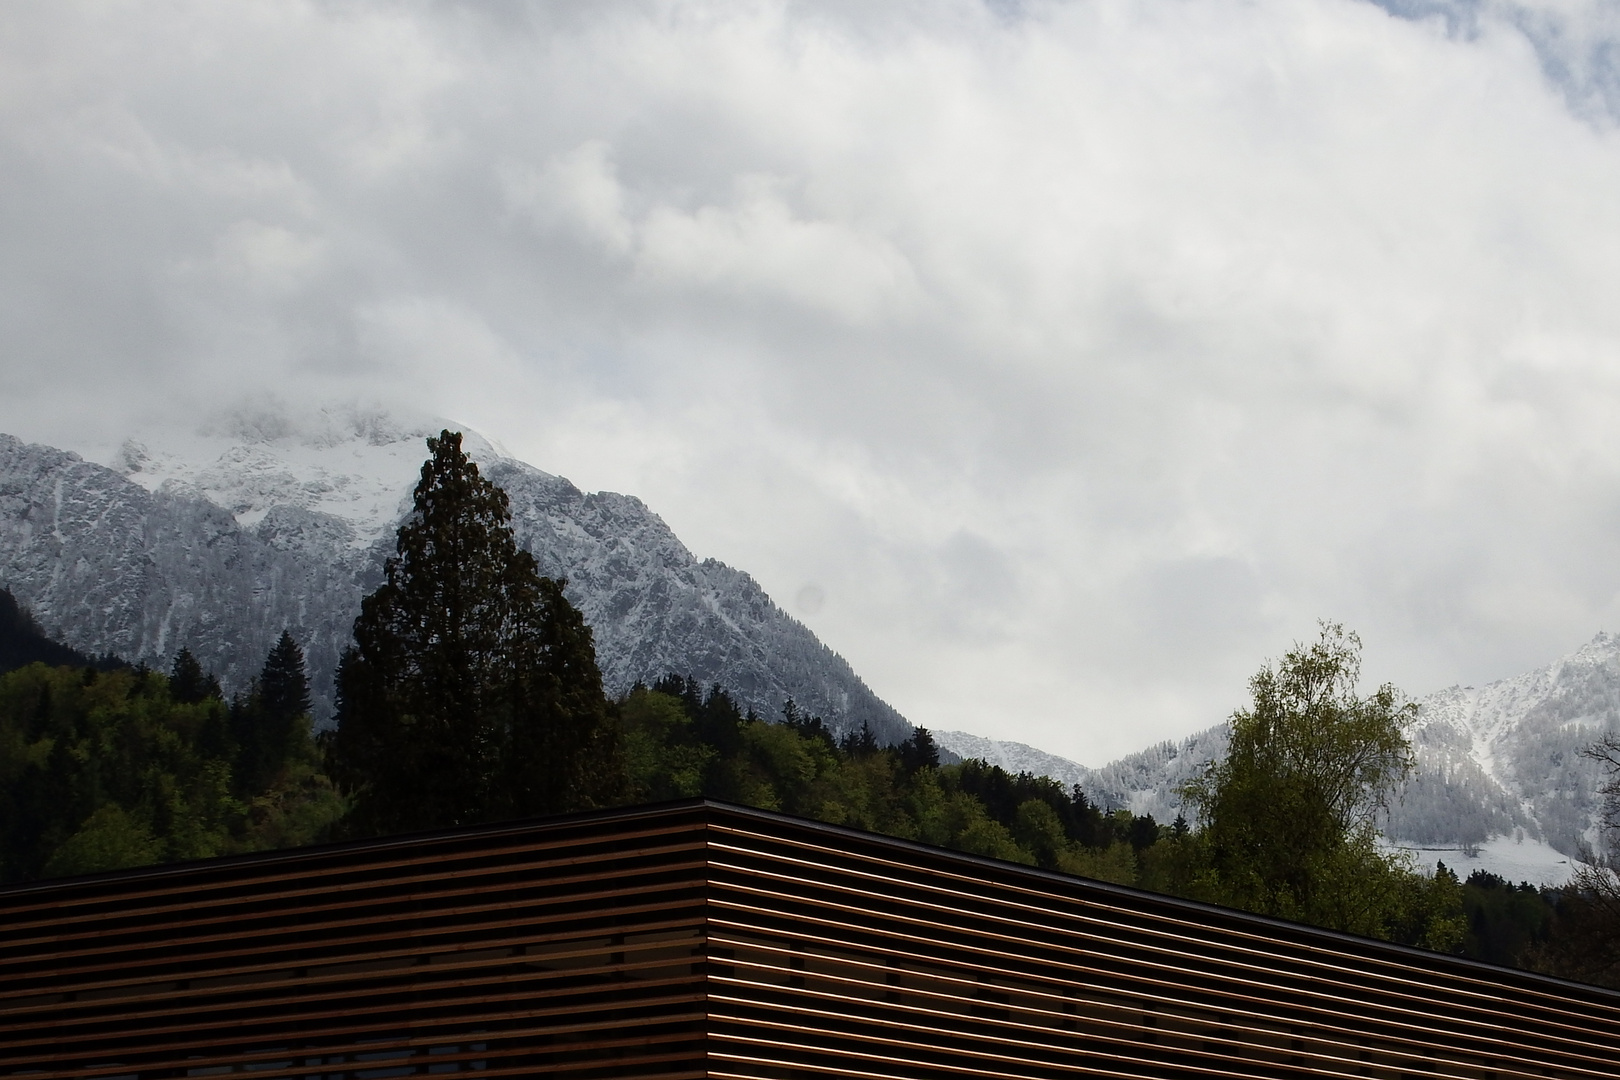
(356, 465)
(1517, 860)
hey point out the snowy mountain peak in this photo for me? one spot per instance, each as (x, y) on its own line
(357, 464)
(1015, 757)
(270, 422)
(267, 518)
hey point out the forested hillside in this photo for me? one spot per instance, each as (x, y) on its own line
(104, 767)
(101, 770)
(471, 693)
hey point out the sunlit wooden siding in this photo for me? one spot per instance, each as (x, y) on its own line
(698, 939)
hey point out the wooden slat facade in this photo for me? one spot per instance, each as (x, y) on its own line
(704, 940)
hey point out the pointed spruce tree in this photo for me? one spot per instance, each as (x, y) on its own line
(188, 683)
(471, 692)
(273, 718)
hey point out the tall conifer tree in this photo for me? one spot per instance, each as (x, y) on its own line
(283, 682)
(188, 683)
(471, 692)
(272, 719)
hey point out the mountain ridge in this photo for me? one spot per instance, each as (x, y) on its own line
(266, 521)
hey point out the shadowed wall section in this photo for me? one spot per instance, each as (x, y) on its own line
(702, 940)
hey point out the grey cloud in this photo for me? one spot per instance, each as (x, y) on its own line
(1096, 347)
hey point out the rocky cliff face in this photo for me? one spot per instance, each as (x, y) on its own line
(656, 608)
(108, 566)
(220, 541)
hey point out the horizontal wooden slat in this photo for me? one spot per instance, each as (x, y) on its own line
(697, 939)
(1211, 994)
(1102, 920)
(573, 947)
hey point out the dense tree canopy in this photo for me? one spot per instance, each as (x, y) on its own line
(681, 741)
(107, 769)
(471, 692)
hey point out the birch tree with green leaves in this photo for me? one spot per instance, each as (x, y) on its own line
(1290, 814)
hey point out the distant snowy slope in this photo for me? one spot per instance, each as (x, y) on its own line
(1144, 782)
(1148, 781)
(108, 566)
(1498, 768)
(265, 520)
(1506, 757)
(1015, 757)
(356, 466)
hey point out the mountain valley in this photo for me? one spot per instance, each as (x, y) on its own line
(263, 521)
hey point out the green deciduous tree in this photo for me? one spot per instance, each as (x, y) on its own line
(664, 758)
(1289, 814)
(471, 692)
(104, 770)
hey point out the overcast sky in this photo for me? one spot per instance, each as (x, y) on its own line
(1057, 363)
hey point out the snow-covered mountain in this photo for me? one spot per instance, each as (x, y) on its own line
(1505, 758)
(1015, 757)
(218, 540)
(1144, 782)
(1498, 768)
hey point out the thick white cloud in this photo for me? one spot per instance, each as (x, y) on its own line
(1066, 359)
